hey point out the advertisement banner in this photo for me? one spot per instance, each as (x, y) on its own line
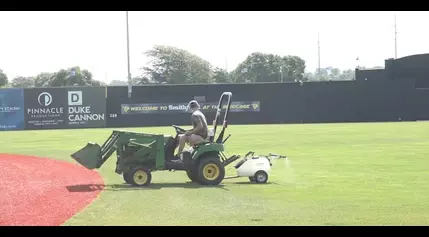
(45, 108)
(236, 106)
(12, 109)
(86, 107)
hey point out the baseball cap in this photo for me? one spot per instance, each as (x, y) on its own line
(193, 104)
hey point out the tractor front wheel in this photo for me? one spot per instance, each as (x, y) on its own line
(140, 176)
(127, 177)
(192, 175)
(210, 171)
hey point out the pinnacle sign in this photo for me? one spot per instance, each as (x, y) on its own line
(44, 108)
(64, 108)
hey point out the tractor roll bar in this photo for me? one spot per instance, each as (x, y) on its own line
(224, 96)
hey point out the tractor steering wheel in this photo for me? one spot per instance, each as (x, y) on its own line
(179, 130)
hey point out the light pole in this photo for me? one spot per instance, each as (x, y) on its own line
(130, 87)
(396, 42)
(318, 56)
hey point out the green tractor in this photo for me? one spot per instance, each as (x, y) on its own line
(139, 154)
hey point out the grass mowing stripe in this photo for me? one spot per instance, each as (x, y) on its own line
(336, 174)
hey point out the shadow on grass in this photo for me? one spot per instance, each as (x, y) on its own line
(253, 183)
(83, 188)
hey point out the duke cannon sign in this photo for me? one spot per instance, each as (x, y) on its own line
(237, 106)
(86, 107)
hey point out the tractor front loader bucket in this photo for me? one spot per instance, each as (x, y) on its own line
(93, 156)
(89, 156)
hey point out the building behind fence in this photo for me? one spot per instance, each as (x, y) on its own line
(400, 92)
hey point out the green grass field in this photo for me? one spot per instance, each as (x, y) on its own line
(336, 174)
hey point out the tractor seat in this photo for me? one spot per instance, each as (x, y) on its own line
(201, 144)
(208, 140)
(205, 142)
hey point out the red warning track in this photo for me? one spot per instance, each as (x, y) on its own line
(39, 191)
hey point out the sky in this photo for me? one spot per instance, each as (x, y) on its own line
(35, 42)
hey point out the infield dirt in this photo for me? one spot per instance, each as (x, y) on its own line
(34, 191)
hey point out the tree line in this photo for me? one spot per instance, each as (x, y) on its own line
(171, 65)
(73, 76)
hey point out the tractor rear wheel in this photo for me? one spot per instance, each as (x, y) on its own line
(140, 176)
(210, 171)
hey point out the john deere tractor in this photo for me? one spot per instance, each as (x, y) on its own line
(139, 154)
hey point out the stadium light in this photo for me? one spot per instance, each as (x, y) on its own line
(130, 87)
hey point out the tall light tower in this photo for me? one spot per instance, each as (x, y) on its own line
(130, 86)
(318, 56)
(396, 43)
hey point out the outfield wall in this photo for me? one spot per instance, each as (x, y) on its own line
(312, 102)
(163, 105)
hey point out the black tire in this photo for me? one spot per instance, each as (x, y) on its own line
(127, 178)
(192, 175)
(261, 177)
(252, 179)
(207, 167)
(140, 176)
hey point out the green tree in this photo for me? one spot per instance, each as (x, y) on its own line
(43, 79)
(87, 79)
(118, 83)
(59, 79)
(331, 74)
(260, 67)
(294, 67)
(3, 78)
(73, 76)
(347, 75)
(323, 74)
(176, 66)
(221, 76)
(140, 80)
(309, 76)
(22, 82)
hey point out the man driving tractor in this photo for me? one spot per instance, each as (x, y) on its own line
(199, 132)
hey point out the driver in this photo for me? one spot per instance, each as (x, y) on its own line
(199, 133)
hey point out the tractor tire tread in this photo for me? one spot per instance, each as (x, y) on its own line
(199, 171)
(140, 168)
